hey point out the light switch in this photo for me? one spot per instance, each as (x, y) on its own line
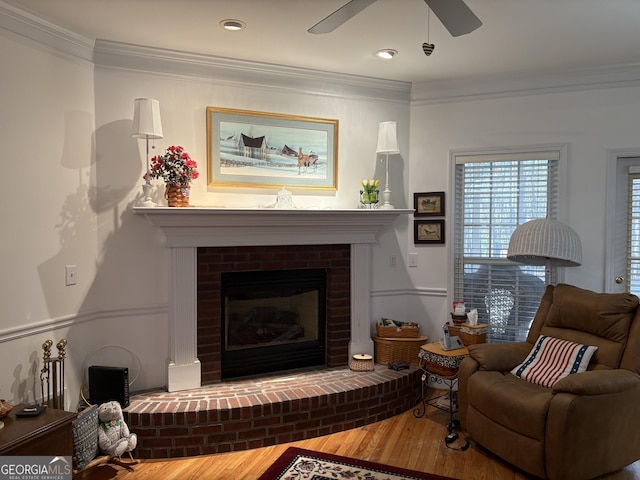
(70, 272)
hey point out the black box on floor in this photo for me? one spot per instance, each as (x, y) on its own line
(109, 383)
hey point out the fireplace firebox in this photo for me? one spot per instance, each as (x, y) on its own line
(272, 320)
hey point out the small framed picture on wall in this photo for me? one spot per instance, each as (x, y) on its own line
(429, 204)
(428, 231)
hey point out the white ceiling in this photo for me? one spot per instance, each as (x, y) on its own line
(517, 36)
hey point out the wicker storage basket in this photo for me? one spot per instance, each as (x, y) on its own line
(398, 332)
(469, 334)
(398, 349)
(458, 319)
(362, 362)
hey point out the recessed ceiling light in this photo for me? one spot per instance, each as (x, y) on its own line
(386, 53)
(232, 24)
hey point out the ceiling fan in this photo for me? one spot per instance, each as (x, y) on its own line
(454, 15)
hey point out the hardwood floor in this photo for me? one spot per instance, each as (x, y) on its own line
(405, 441)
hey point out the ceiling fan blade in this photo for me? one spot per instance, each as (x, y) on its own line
(337, 18)
(455, 16)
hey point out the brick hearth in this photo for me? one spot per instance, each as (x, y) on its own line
(257, 412)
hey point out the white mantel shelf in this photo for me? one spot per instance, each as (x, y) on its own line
(217, 227)
(186, 229)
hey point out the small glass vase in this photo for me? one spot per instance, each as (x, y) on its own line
(369, 200)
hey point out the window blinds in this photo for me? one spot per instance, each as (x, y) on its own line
(493, 195)
(633, 233)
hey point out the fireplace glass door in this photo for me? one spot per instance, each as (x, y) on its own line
(272, 320)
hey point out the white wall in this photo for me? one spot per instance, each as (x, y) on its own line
(45, 205)
(589, 122)
(132, 246)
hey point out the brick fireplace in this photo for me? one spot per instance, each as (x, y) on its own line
(187, 229)
(214, 261)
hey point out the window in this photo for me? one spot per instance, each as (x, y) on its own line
(633, 232)
(622, 223)
(494, 193)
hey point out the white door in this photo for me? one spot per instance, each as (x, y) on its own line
(623, 224)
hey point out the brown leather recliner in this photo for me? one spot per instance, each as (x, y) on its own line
(587, 424)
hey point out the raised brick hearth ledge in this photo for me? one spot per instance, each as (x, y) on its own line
(257, 412)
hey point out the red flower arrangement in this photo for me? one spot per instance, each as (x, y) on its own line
(175, 167)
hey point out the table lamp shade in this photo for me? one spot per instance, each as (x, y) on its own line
(387, 138)
(543, 240)
(146, 118)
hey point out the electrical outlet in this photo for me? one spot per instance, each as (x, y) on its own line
(393, 261)
(413, 259)
(71, 274)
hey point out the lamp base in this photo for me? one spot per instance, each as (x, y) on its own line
(146, 200)
(386, 197)
(147, 203)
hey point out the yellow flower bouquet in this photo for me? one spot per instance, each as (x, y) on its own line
(369, 193)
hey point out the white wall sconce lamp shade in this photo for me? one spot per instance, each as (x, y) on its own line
(147, 125)
(387, 144)
(544, 242)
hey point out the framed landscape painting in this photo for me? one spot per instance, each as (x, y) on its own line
(271, 150)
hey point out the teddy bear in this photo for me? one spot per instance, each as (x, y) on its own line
(114, 437)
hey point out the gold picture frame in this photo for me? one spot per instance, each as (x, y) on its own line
(271, 150)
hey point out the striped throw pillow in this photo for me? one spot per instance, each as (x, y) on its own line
(552, 359)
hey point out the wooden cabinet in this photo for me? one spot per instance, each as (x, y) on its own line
(50, 433)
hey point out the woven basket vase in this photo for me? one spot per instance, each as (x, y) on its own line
(177, 195)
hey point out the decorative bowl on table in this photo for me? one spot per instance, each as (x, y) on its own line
(5, 408)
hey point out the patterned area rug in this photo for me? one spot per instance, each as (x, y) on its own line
(299, 464)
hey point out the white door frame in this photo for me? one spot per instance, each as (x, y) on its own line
(613, 158)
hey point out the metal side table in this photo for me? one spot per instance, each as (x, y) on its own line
(439, 367)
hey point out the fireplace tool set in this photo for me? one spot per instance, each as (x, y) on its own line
(52, 375)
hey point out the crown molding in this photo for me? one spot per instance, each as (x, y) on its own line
(223, 70)
(44, 34)
(532, 83)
